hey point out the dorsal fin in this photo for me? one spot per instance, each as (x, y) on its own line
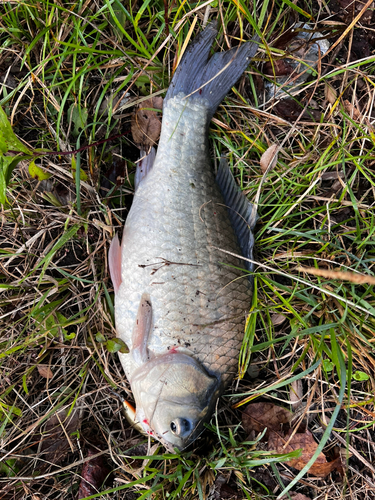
(241, 212)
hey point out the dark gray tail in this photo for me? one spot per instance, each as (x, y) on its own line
(217, 74)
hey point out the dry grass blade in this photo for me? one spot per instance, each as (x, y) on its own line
(339, 275)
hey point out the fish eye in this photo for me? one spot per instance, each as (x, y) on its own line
(181, 427)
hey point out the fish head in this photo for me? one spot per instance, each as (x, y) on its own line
(174, 397)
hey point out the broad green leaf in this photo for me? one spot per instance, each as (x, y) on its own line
(37, 172)
(8, 137)
(9, 468)
(360, 376)
(115, 345)
(328, 365)
(7, 165)
(99, 337)
(68, 336)
(12, 409)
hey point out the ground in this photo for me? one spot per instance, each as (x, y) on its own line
(72, 76)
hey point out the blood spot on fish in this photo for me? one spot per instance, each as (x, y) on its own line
(145, 421)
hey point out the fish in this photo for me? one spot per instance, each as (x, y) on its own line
(180, 303)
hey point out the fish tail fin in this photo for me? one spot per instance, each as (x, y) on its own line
(210, 78)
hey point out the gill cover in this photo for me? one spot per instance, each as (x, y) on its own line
(173, 392)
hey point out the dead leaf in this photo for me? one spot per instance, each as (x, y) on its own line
(56, 442)
(278, 67)
(259, 416)
(306, 442)
(269, 158)
(328, 176)
(45, 371)
(290, 110)
(277, 319)
(146, 124)
(296, 393)
(352, 111)
(296, 496)
(93, 475)
(253, 371)
(330, 94)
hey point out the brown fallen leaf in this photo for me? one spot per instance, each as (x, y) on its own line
(56, 442)
(277, 319)
(259, 416)
(306, 442)
(146, 124)
(269, 158)
(328, 176)
(353, 111)
(45, 371)
(330, 94)
(93, 475)
(290, 110)
(296, 496)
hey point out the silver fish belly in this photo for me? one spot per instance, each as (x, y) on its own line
(180, 303)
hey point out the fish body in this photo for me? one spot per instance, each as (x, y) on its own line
(180, 303)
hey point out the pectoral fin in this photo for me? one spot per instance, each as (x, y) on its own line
(142, 330)
(114, 260)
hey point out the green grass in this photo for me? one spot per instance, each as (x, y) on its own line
(68, 68)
